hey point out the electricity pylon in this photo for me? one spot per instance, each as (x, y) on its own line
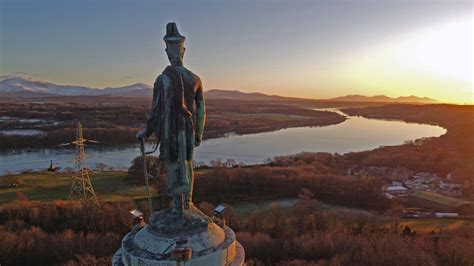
(81, 187)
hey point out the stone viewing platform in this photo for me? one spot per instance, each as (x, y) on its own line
(209, 243)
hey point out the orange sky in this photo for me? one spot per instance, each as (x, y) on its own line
(312, 49)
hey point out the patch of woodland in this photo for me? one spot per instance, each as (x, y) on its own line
(73, 233)
(117, 121)
(268, 182)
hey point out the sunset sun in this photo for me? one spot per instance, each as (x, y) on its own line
(444, 50)
(434, 61)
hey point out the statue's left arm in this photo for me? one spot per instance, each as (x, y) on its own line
(200, 114)
(154, 114)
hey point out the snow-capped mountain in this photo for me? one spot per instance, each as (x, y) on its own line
(22, 85)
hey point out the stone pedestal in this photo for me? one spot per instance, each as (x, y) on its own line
(205, 242)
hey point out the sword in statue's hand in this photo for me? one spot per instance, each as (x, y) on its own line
(141, 137)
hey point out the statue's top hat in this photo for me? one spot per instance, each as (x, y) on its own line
(172, 35)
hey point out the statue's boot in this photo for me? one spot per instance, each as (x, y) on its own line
(178, 204)
(187, 200)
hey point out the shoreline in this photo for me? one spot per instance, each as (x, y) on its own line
(124, 153)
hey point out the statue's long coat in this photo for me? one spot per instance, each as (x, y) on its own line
(175, 93)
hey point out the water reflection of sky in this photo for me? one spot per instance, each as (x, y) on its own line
(355, 134)
(21, 132)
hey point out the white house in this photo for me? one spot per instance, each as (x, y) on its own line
(396, 190)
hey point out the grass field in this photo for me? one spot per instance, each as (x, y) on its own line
(45, 186)
(246, 208)
(437, 224)
(426, 225)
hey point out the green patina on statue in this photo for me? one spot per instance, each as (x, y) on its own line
(177, 118)
(182, 234)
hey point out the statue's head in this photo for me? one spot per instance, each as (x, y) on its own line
(174, 44)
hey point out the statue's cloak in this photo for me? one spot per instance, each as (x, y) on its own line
(172, 112)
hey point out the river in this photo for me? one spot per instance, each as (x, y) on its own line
(354, 134)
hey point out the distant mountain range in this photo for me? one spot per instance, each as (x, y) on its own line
(26, 87)
(383, 98)
(238, 95)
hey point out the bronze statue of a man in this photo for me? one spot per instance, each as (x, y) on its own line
(177, 118)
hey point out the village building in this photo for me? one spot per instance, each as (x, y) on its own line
(449, 184)
(396, 190)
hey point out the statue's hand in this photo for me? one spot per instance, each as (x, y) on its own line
(140, 135)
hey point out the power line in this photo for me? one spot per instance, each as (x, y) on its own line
(81, 187)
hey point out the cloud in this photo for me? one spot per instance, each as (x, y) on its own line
(127, 77)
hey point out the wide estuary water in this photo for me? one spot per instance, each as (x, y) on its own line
(355, 134)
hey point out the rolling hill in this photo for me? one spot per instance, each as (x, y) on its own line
(35, 87)
(383, 99)
(19, 86)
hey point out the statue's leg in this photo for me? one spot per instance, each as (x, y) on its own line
(173, 186)
(186, 168)
(182, 160)
(178, 175)
(178, 203)
(188, 194)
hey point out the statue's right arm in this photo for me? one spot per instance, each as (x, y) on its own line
(153, 116)
(200, 114)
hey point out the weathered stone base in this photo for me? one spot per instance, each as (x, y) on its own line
(238, 260)
(210, 244)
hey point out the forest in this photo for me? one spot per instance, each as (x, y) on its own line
(71, 233)
(115, 120)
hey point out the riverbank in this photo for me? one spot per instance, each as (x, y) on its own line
(116, 121)
(249, 149)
